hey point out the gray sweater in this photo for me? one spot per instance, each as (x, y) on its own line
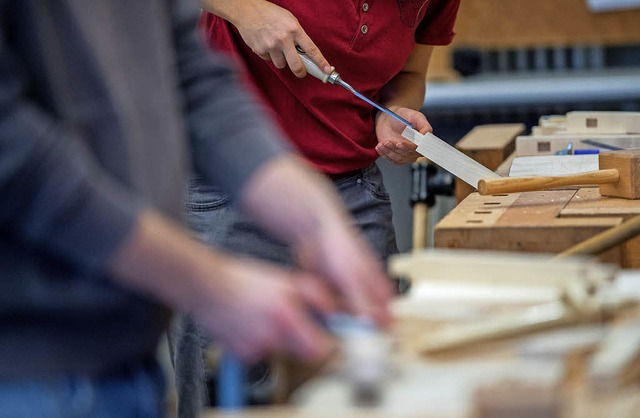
(105, 106)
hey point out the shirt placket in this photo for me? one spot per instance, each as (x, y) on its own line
(365, 20)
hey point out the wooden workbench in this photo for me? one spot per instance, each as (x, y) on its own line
(469, 385)
(541, 375)
(544, 221)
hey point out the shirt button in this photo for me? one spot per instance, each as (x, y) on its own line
(364, 29)
(365, 6)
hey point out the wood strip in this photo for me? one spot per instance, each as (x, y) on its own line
(449, 158)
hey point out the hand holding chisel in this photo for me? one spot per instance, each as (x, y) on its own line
(390, 145)
(334, 78)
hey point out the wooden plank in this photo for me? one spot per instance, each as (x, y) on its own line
(553, 165)
(489, 145)
(491, 137)
(449, 158)
(472, 268)
(588, 202)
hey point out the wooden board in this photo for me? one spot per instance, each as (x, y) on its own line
(553, 165)
(533, 222)
(587, 202)
(524, 23)
(489, 145)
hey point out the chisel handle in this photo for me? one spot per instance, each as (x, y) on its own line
(312, 67)
(527, 184)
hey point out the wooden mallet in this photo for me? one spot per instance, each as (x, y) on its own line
(619, 176)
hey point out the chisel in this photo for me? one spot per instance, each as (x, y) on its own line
(429, 145)
(334, 78)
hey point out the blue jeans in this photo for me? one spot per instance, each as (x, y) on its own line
(215, 220)
(135, 392)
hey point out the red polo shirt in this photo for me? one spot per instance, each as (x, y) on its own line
(368, 42)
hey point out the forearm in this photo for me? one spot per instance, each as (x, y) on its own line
(233, 11)
(303, 208)
(407, 89)
(306, 204)
(160, 259)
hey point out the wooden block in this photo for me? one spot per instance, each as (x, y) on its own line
(489, 145)
(549, 124)
(627, 163)
(527, 145)
(558, 141)
(603, 122)
(545, 130)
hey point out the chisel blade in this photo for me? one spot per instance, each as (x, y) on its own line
(449, 158)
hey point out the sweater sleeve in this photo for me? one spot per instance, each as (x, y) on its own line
(55, 199)
(230, 132)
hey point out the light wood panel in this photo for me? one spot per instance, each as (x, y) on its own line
(525, 23)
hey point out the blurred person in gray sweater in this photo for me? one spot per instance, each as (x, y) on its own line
(106, 107)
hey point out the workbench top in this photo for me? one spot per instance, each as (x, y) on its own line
(542, 374)
(543, 221)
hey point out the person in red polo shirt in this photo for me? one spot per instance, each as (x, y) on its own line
(380, 47)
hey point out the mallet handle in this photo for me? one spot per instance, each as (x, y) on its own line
(527, 184)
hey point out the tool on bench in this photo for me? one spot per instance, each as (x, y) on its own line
(334, 78)
(619, 176)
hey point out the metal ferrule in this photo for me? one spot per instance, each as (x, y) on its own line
(334, 78)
